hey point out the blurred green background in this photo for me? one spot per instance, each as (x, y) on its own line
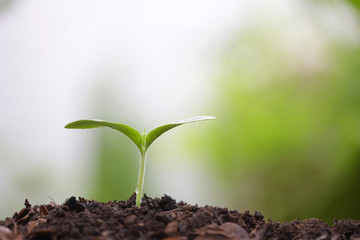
(284, 86)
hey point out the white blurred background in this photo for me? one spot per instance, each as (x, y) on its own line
(156, 59)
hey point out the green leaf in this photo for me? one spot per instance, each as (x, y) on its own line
(154, 134)
(134, 135)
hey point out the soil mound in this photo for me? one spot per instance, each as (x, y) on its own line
(160, 218)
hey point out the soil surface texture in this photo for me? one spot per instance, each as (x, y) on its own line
(160, 218)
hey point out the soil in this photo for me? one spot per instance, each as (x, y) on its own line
(160, 218)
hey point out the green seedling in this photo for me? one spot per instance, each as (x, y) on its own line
(142, 141)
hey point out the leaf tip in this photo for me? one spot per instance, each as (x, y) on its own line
(68, 126)
(195, 119)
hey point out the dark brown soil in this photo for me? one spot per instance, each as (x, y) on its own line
(159, 218)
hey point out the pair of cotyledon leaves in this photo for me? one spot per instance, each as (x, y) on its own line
(144, 141)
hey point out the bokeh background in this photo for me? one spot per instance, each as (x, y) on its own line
(282, 77)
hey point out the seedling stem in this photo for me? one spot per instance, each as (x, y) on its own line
(141, 177)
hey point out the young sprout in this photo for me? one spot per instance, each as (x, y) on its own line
(142, 141)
